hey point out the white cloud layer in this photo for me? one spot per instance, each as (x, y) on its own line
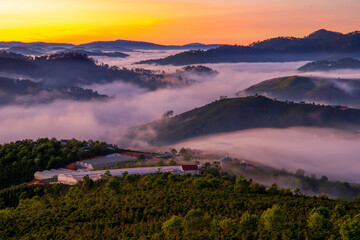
(131, 106)
(317, 150)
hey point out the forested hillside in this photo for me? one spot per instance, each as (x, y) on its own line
(166, 206)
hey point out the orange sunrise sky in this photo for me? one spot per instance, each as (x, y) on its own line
(172, 21)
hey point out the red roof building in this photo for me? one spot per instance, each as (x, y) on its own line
(71, 166)
(192, 169)
(36, 182)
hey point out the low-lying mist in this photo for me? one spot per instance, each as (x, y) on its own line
(130, 106)
(319, 151)
(346, 73)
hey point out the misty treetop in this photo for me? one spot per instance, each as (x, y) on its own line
(27, 92)
(166, 206)
(199, 69)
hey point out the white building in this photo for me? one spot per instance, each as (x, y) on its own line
(73, 178)
(51, 174)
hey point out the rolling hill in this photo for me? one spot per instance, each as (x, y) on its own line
(234, 114)
(313, 89)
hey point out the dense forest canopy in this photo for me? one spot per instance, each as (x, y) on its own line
(166, 206)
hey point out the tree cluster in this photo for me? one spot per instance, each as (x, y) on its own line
(21, 159)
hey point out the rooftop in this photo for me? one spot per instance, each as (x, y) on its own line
(190, 167)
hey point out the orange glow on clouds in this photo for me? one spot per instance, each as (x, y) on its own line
(171, 21)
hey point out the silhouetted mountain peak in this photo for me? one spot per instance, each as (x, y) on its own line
(323, 34)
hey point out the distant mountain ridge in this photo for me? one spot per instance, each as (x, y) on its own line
(323, 34)
(321, 44)
(133, 45)
(321, 40)
(39, 48)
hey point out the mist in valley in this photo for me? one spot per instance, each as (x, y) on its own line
(320, 151)
(130, 105)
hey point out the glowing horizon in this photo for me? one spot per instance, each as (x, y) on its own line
(173, 21)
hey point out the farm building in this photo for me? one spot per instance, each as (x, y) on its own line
(105, 161)
(51, 175)
(73, 178)
(192, 169)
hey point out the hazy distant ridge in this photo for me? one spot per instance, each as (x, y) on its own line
(324, 65)
(321, 44)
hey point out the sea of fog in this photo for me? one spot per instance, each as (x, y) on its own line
(319, 151)
(131, 106)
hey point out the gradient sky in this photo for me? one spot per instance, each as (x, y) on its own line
(172, 21)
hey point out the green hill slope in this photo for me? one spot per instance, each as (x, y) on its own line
(250, 112)
(332, 91)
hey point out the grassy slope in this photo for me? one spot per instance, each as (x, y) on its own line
(334, 91)
(251, 112)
